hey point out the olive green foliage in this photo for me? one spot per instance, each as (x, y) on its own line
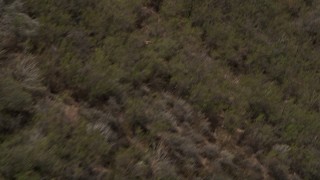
(159, 89)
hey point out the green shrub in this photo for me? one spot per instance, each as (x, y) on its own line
(13, 97)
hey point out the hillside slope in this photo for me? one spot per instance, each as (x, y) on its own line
(159, 89)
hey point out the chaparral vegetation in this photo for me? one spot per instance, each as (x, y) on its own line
(159, 89)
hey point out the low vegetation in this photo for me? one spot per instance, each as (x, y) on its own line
(159, 89)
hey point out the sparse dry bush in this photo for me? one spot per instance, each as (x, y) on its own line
(26, 71)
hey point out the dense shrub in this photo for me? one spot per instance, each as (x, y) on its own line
(116, 89)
